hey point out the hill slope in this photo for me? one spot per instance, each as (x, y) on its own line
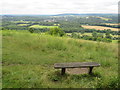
(28, 61)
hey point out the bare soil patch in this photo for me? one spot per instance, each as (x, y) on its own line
(77, 70)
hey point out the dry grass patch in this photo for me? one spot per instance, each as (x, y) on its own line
(98, 27)
(115, 24)
(103, 18)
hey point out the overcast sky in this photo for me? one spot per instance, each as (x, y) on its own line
(58, 6)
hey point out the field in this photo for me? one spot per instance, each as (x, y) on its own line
(40, 26)
(114, 41)
(112, 24)
(28, 61)
(22, 24)
(103, 18)
(21, 21)
(98, 27)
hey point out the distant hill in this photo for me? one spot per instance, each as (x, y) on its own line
(63, 14)
(87, 14)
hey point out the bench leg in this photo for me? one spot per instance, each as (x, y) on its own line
(63, 71)
(90, 70)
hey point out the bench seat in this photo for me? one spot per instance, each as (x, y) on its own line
(63, 66)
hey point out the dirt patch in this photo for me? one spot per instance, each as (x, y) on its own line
(77, 70)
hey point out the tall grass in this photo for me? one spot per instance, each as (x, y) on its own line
(28, 61)
(0, 59)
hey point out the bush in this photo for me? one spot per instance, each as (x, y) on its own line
(31, 30)
(106, 40)
(75, 35)
(56, 31)
(99, 39)
(38, 30)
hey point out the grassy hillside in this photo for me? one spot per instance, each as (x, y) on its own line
(28, 61)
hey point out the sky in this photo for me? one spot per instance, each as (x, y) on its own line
(49, 7)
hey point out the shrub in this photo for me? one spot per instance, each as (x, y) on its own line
(75, 35)
(99, 39)
(56, 31)
(31, 30)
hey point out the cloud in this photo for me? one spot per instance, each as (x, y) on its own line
(58, 6)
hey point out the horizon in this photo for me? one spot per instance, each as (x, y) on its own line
(54, 7)
(67, 14)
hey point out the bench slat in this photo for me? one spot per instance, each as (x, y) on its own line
(76, 65)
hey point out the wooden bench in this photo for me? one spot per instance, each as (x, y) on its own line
(63, 66)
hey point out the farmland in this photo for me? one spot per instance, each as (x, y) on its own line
(103, 18)
(112, 23)
(22, 24)
(98, 27)
(40, 26)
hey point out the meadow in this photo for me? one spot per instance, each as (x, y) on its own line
(40, 26)
(112, 24)
(99, 27)
(22, 24)
(103, 18)
(28, 59)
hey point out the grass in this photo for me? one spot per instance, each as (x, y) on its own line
(114, 41)
(115, 24)
(99, 27)
(28, 61)
(103, 18)
(0, 59)
(89, 34)
(22, 24)
(40, 26)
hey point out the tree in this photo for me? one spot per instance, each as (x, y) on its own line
(108, 35)
(75, 35)
(82, 32)
(94, 34)
(56, 31)
(31, 30)
(99, 39)
(100, 35)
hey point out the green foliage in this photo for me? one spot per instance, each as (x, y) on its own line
(41, 27)
(31, 30)
(38, 30)
(118, 41)
(94, 34)
(100, 35)
(56, 32)
(75, 35)
(95, 37)
(82, 32)
(108, 34)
